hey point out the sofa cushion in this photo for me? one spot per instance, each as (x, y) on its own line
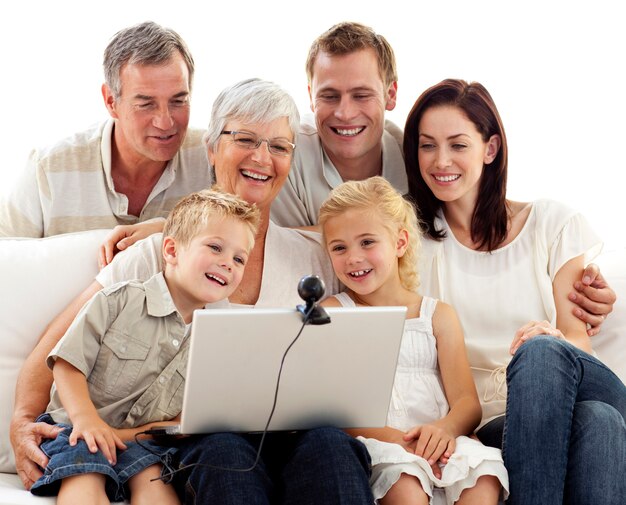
(39, 278)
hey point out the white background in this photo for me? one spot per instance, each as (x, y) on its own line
(555, 70)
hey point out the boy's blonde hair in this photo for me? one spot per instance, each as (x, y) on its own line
(377, 196)
(192, 213)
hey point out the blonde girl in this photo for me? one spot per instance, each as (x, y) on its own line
(371, 235)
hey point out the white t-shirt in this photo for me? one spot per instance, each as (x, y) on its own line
(495, 293)
(289, 256)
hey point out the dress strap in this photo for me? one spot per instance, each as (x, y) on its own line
(427, 308)
(345, 300)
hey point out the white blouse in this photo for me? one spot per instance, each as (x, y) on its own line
(495, 293)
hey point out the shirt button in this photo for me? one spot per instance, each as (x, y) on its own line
(123, 348)
(161, 379)
(175, 343)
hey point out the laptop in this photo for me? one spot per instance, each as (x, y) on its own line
(338, 374)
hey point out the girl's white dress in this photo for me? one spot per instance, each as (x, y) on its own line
(418, 398)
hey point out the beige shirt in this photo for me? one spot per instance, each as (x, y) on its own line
(313, 175)
(68, 187)
(131, 343)
(289, 256)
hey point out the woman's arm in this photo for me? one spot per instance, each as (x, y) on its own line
(593, 298)
(32, 394)
(568, 326)
(437, 440)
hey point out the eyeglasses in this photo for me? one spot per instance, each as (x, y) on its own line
(247, 140)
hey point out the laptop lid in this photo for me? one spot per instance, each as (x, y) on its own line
(339, 374)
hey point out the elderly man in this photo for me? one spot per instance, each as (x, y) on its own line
(131, 168)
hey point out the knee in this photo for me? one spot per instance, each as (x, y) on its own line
(322, 444)
(542, 352)
(600, 420)
(218, 447)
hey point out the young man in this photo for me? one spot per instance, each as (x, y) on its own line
(131, 168)
(121, 364)
(352, 79)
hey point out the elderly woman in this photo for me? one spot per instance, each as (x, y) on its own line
(250, 144)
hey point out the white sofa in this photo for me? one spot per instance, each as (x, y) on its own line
(40, 276)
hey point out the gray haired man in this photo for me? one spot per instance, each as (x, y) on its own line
(133, 167)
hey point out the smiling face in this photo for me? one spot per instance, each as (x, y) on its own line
(452, 154)
(363, 251)
(152, 111)
(253, 174)
(211, 266)
(349, 100)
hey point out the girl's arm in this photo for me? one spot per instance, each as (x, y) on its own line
(437, 440)
(568, 326)
(87, 424)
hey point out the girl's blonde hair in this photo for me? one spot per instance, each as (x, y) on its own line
(376, 195)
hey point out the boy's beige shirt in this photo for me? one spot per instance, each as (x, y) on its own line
(131, 343)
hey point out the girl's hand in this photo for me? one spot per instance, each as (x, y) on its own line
(532, 329)
(97, 435)
(433, 443)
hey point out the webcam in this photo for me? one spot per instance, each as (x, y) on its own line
(311, 289)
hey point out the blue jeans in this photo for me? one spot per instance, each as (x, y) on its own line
(564, 432)
(66, 461)
(322, 465)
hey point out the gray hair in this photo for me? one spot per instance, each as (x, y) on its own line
(252, 101)
(143, 44)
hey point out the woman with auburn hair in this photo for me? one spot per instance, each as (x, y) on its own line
(507, 267)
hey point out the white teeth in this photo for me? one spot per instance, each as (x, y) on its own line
(447, 178)
(216, 278)
(254, 175)
(350, 133)
(360, 273)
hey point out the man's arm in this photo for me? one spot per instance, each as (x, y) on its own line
(21, 212)
(594, 299)
(32, 394)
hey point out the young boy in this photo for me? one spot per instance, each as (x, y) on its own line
(121, 365)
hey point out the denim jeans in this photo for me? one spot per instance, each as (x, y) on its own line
(322, 465)
(564, 433)
(67, 461)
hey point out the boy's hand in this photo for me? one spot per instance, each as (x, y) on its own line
(97, 435)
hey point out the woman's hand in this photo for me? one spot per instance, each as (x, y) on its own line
(97, 435)
(532, 329)
(123, 236)
(594, 297)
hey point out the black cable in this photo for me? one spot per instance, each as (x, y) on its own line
(169, 471)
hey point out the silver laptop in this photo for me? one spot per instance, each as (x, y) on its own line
(339, 374)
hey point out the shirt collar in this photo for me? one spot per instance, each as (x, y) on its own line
(393, 166)
(159, 301)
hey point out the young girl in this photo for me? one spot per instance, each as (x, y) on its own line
(372, 237)
(508, 267)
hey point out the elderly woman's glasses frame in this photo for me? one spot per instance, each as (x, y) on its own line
(248, 140)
